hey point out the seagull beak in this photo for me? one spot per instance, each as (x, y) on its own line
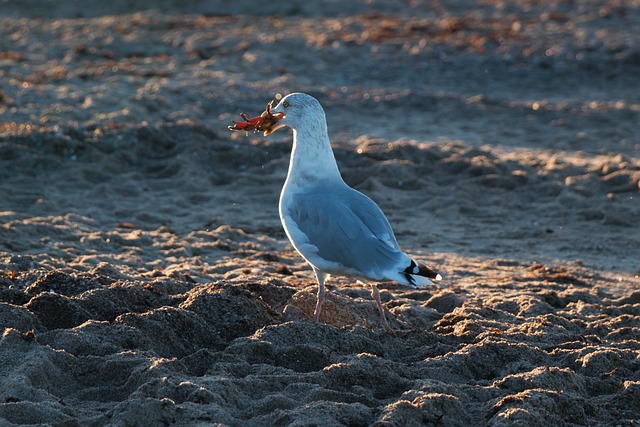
(274, 127)
(278, 115)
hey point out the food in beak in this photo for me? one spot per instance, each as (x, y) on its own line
(267, 122)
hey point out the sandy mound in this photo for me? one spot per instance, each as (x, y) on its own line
(145, 278)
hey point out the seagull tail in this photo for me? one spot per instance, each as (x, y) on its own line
(420, 275)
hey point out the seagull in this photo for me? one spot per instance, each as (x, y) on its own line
(338, 230)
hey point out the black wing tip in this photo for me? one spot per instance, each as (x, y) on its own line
(425, 271)
(420, 270)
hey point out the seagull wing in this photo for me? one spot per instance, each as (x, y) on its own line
(342, 232)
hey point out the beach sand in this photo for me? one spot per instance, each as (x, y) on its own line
(145, 278)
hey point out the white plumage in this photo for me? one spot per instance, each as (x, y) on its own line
(337, 229)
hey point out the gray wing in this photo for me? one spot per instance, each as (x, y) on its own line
(347, 228)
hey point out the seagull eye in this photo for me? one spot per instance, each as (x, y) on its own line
(285, 104)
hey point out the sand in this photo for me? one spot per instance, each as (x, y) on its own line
(145, 278)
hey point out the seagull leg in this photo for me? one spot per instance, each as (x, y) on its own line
(321, 277)
(375, 293)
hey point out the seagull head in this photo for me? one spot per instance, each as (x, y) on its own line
(300, 110)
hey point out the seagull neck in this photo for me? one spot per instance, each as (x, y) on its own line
(312, 158)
